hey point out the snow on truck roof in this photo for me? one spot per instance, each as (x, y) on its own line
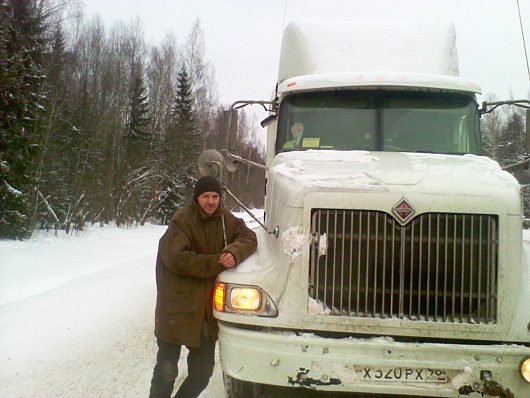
(325, 54)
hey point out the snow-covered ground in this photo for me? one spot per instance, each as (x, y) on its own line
(76, 315)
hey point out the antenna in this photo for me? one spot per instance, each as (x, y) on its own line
(524, 43)
(285, 13)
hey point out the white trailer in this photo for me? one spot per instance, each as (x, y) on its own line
(390, 261)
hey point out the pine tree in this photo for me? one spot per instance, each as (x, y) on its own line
(22, 49)
(189, 140)
(183, 109)
(137, 141)
(183, 146)
(138, 121)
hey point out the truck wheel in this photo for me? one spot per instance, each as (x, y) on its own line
(240, 389)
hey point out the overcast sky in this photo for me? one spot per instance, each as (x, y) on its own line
(243, 37)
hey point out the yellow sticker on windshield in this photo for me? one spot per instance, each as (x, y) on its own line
(311, 142)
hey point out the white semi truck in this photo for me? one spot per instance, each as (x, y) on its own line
(390, 259)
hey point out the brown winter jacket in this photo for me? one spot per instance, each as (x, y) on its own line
(186, 268)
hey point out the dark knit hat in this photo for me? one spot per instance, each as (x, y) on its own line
(206, 184)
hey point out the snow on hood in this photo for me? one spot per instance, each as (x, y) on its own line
(293, 241)
(306, 171)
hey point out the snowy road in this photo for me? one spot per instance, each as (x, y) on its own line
(85, 328)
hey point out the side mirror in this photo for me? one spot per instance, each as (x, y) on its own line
(211, 163)
(268, 120)
(230, 119)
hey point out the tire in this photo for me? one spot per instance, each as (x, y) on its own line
(236, 388)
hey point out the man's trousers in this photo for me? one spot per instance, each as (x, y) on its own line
(201, 362)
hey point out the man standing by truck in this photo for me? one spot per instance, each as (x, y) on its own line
(202, 240)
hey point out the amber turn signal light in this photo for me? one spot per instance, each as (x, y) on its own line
(219, 297)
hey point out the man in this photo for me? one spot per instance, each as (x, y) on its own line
(297, 133)
(202, 240)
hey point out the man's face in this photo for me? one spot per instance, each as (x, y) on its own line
(208, 202)
(297, 130)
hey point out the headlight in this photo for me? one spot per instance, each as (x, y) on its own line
(525, 369)
(243, 299)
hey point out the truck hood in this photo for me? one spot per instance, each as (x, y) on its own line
(297, 174)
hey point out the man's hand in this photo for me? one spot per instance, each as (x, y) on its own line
(227, 259)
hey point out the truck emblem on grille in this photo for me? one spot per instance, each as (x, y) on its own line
(403, 210)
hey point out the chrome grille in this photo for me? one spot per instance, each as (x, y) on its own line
(438, 267)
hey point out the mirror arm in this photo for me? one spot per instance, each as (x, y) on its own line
(245, 208)
(239, 159)
(268, 106)
(522, 103)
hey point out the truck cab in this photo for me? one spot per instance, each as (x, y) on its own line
(390, 259)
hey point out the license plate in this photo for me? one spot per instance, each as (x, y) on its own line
(403, 375)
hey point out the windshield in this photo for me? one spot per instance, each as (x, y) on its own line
(379, 121)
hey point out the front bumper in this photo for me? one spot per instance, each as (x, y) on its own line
(372, 365)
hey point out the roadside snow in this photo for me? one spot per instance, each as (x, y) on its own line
(76, 315)
(59, 259)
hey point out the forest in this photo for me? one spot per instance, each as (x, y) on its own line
(97, 126)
